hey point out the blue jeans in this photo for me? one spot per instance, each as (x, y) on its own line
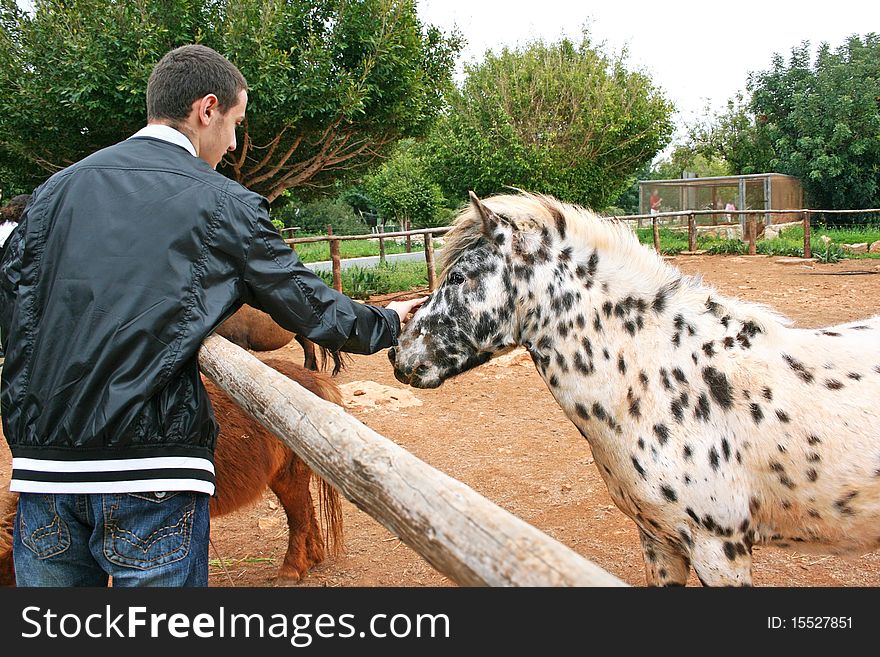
(138, 539)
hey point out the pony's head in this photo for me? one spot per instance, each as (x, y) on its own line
(494, 247)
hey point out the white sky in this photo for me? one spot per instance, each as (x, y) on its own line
(696, 51)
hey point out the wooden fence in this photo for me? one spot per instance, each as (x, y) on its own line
(689, 216)
(460, 533)
(336, 260)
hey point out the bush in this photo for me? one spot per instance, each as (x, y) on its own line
(313, 217)
(728, 247)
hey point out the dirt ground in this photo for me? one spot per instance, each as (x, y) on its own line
(498, 430)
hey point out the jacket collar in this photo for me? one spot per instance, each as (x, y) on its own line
(166, 133)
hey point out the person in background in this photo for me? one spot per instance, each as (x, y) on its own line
(655, 201)
(10, 214)
(730, 207)
(122, 264)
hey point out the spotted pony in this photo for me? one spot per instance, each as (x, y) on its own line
(715, 424)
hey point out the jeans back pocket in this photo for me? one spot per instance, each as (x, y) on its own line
(147, 530)
(42, 530)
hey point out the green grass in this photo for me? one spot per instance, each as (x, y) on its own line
(364, 282)
(789, 243)
(320, 251)
(672, 242)
(793, 238)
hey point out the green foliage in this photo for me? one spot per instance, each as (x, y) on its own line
(672, 242)
(628, 201)
(333, 83)
(686, 157)
(357, 197)
(780, 247)
(362, 283)
(831, 253)
(559, 118)
(816, 120)
(732, 136)
(823, 121)
(789, 243)
(313, 217)
(727, 247)
(401, 188)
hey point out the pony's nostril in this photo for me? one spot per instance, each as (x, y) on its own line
(421, 369)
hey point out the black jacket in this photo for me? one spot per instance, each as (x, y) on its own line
(122, 264)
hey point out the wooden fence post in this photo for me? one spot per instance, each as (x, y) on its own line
(752, 230)
(429, 261)
(692, 232)
(406, 224)
(808, 250)
(335, 261)
(381, 229)
(655, 224)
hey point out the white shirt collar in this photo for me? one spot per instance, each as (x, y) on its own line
(166, 133)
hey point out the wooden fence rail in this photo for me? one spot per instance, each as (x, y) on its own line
(460, 533)
(749, 233)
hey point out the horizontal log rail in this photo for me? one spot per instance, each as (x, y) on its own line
(690, 215)
(459, 532)
(372, 236)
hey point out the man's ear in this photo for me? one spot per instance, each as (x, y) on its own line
(490, 219)
(206, 108)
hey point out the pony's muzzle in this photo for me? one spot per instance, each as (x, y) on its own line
(412, 373)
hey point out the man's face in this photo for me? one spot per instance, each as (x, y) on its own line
(219, 138)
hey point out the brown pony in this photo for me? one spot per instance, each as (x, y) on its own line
(247, 459)
(253, 329)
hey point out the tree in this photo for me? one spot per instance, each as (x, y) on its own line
(402, 189)
(333, 83)
(562, 119)
(686, 158)
(823, 120)
(732, 136)
(818, 121)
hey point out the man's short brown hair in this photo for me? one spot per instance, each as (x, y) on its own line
(186, 74)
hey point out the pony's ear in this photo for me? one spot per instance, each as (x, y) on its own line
(490, 219)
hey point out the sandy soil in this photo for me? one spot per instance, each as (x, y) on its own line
(498, 430)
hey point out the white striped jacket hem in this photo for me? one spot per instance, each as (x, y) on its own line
(137, 475)
(138, 486)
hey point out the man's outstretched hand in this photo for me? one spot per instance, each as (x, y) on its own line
(404, 308)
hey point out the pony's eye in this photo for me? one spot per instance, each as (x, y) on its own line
(456, 278)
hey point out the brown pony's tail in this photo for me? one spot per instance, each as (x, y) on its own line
(330, 514)
(340, 360)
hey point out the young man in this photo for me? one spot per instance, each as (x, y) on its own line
(124, 262)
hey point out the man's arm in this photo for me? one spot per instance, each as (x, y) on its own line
(278, 283)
